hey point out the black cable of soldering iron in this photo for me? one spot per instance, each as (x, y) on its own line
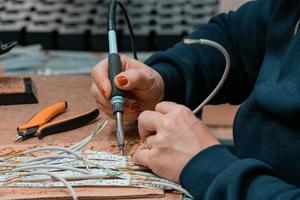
(112, 25)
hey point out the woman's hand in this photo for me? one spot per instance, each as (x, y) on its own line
(172, 136)
(143, 87)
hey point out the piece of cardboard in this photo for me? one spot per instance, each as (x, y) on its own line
(219, 115)
(90, 193)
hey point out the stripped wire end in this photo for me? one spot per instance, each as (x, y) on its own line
(192, 41)
(101, 125)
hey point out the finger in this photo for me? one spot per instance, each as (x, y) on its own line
(149, 141)
(129, 63)
(134, 79)
(148, 123)
(104, 109)
(131, 104)
(130, 117)
(100, 77)
(99, 97)
(131, 111)
(166, 107)
(141, 157)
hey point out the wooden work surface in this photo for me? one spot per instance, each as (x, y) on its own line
(76, 91)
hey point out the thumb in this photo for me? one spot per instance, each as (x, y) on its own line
(131, 79)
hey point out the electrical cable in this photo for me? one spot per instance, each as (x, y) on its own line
(44, 159)
(226, 70)
(75, 147)
(85, 141)
(74, 196)
(162, 185)
(49, 158)
(131, 33)
(50, 167)
(70, 178)
(111, 23)
(58, 149)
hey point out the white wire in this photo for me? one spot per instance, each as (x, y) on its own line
(32, 166)
(175, 187)
(70, 178)
(43, 160)
(85, 141)
(50, 148)
(50, 157)
(226, 71)
(75, 147)
(50, 167)
(74, 196)
(165, 185)
(53, 148)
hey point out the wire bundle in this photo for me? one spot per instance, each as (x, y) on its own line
(72, 167)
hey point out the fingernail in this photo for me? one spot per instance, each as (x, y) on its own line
(103, 93)
(135, 106)
(122, 80)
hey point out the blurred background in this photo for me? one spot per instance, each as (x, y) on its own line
(69, 36)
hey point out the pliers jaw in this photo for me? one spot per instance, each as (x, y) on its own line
(28, 133)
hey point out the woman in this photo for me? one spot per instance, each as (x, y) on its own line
(262, 39)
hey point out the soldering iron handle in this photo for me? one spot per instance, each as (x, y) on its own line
(114, 63)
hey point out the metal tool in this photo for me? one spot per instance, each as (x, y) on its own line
(5, 48)
(117, 97)
(40, 126)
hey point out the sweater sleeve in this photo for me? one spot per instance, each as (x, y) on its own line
(191, 72)
(216, 174)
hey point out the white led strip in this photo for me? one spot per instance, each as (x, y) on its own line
(74, 168)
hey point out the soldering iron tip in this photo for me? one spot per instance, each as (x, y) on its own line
(122, 151)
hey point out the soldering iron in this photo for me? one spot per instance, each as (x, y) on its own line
(114, 65)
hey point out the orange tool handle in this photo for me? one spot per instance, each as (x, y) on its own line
(67, 124)
(45, 115)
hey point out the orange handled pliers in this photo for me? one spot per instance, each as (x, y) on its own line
(40, 126)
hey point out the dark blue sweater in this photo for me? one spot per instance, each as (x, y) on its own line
(265, 78)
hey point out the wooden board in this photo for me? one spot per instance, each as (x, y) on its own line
(11, 85)
(82, 192)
